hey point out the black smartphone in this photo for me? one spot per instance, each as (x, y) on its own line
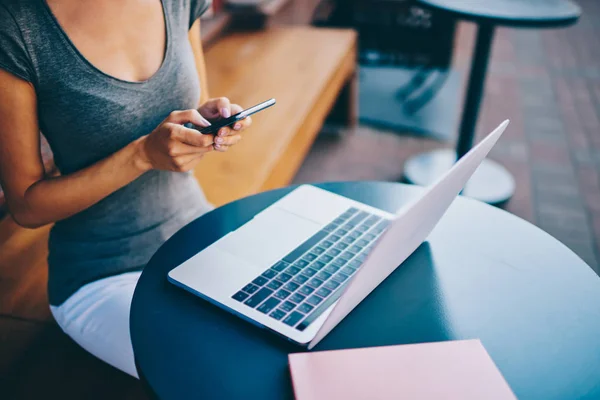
(220, 123)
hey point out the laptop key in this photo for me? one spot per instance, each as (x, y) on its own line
(330, 228)
(326, 244)
(282, 294)
(339, 262)
(280, 266)
(348, 270)
(363, 228)
(348, 240)
(250, 288)
(261, 280)
(359, 217)
(341, 232)
(287, 306)
(297, 298)
(318, 250)
(301, 264)
(268, 305)
(293, 270)
(300, 279)
(361, 258)
(355, 234)
(349, 212)
(284, 277)
(315, 282)
(341, 246)
(340, 277)
(382, 226)
(291, 286)
(333, 252)
(332, 269)
(355, 264)
(277, 314)
(334, 238)
(323, 275)
(370, 237)
(309, 257)
(323, 292)
(314, 300)
(356, 249)
(240, 296)
(306, 290)
(309, 272)
(346, 256)
(331, 285)
(326, 258)
(293, 318)
(274, 285)
(270, 273)
(339, 220)
(318, 265)
(362, 243)
(305, 308)
(258, 297)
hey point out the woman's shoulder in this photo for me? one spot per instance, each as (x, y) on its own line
(19, 11)
(190, 10)
(19, 22)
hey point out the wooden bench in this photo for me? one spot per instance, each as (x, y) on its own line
(304, 68)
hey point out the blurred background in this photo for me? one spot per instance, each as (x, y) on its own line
(414, 66)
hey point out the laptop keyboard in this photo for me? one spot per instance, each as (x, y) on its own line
(302, 285)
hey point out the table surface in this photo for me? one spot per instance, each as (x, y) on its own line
(483, 273)
(524, 13)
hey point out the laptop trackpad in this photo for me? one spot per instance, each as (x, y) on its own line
(268, 237)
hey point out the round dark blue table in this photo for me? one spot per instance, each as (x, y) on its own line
(492, 183)
(483, 273)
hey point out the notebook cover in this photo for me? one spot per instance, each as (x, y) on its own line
(444, 370)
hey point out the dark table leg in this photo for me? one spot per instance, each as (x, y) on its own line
(479, 66)
(491, 182)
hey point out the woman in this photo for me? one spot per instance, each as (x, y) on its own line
(110, 83)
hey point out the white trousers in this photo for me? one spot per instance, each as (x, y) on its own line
(97, 318)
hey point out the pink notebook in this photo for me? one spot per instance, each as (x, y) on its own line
(445, 370)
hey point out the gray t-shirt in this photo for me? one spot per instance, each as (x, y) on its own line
(87, 115)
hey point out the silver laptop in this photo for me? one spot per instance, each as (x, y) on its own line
(301, 265)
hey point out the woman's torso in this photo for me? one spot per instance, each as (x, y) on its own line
(87, 115)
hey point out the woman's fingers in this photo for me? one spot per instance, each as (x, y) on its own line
(190, 136)
(223, 143)
(243, 124)
(177, 148)
(187, 116)
(216, 108)
(224, 107)
(223, 132)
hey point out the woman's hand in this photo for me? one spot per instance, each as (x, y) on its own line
(172, 146)
(221, 107)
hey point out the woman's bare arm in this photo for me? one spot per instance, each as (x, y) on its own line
(34, 199)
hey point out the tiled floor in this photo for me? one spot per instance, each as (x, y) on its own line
(548, 83)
